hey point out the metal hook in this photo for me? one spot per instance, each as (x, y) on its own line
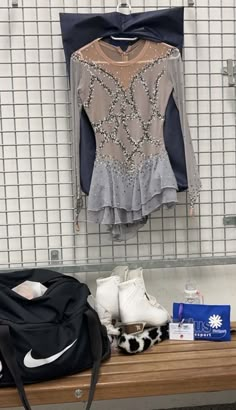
(122, 4)
(15, 3)
(190, 3)
(230, 71)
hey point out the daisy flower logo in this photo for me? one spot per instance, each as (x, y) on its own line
(215, 321)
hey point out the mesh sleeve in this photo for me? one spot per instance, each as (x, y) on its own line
(175, 70)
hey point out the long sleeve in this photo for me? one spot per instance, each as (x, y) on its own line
(175, 69)
(76, 107)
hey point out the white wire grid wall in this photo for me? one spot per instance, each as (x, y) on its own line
(36, 215)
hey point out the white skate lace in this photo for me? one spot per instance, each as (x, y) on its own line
(154, 302)
(107, 321)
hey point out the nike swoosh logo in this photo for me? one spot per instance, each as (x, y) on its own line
(30, 362)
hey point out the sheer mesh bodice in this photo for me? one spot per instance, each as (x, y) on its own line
(125, 95)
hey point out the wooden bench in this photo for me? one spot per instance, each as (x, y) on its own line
(168, 368)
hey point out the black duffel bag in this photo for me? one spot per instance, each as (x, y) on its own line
(51, 336)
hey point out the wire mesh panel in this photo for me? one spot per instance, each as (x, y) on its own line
(36, 207)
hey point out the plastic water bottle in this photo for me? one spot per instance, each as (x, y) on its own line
(192, 294)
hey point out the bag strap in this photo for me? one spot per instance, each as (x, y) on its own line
(9, 355)
(95, 336)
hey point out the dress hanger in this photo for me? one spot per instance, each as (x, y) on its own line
(124, 38)
(122, 4)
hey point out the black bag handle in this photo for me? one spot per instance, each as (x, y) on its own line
(9, 355)
(95, 336)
